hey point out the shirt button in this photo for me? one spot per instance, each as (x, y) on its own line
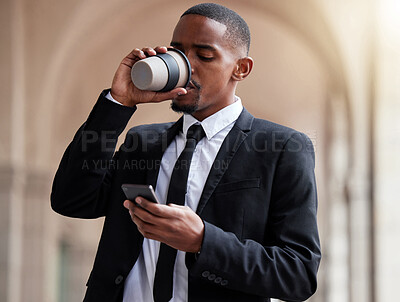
(119, 279)
(211, 277)
(205, 274)
(218, 280)
(224, 282)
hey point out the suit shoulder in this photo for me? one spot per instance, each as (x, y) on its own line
(279, 134)
(146, 128)
(145, 133)
(271, 128)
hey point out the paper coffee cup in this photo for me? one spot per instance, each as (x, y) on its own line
(162, 72)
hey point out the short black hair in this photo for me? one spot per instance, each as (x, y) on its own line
(237, 29)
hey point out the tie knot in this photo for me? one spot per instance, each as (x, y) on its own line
(195, 132)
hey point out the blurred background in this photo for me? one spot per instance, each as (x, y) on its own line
(329, 68)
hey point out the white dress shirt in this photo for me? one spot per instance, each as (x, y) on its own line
(139, 283)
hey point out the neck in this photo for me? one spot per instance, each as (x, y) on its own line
(205, 112)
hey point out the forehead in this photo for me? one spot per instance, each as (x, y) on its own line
(196, 29)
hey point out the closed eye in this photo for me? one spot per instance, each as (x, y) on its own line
(206, 59)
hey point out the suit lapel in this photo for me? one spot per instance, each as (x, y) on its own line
(157, 149)
(228, 149)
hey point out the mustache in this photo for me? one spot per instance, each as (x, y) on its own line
(196, 84)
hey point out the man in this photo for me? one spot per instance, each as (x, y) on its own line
(247, 230)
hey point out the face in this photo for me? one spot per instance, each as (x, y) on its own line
(213, 62)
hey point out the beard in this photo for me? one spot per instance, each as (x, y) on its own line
(188, 108)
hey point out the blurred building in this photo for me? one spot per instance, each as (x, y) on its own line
(328, 68)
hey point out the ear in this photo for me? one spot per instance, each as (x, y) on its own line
(243, 68)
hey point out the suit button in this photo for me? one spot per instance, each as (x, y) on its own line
(119, 279)
(218, 280)
(211, 277)
(205, 274)
(224, 282)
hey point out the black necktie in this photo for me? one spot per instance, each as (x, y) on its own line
(163, 281)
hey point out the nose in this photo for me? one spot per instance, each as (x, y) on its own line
(189, 55)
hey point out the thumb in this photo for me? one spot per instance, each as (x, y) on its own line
(173, 205)
(162, 96)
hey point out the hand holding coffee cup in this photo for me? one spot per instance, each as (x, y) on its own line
(162, 72)
(124, 91)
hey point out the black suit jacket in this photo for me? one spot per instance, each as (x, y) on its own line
(258, 205)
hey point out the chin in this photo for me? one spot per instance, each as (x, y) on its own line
(183, 105)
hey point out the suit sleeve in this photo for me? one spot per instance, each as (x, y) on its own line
(82, 181)
(285, 265)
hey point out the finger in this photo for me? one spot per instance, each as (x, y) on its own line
(156, 209)
(178, 210)
(127, 204)
(143, 227)
(135, 210)
(153, 232)
(145, 215)
(161, 49)
(134, 56)
(130, 206)
(150, 206)
(179, 91)
(136, 53)
(173, 205)
(144, 222)
(149, 51)
(169, 95)
(144, 205)
(150, 235)
(141, 219)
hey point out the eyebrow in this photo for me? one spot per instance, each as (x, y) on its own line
(202, 46)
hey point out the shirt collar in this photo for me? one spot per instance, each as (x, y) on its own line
(216, 122)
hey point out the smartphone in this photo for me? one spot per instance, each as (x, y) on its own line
(146, 191)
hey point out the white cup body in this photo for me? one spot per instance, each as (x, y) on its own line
(162, 72)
